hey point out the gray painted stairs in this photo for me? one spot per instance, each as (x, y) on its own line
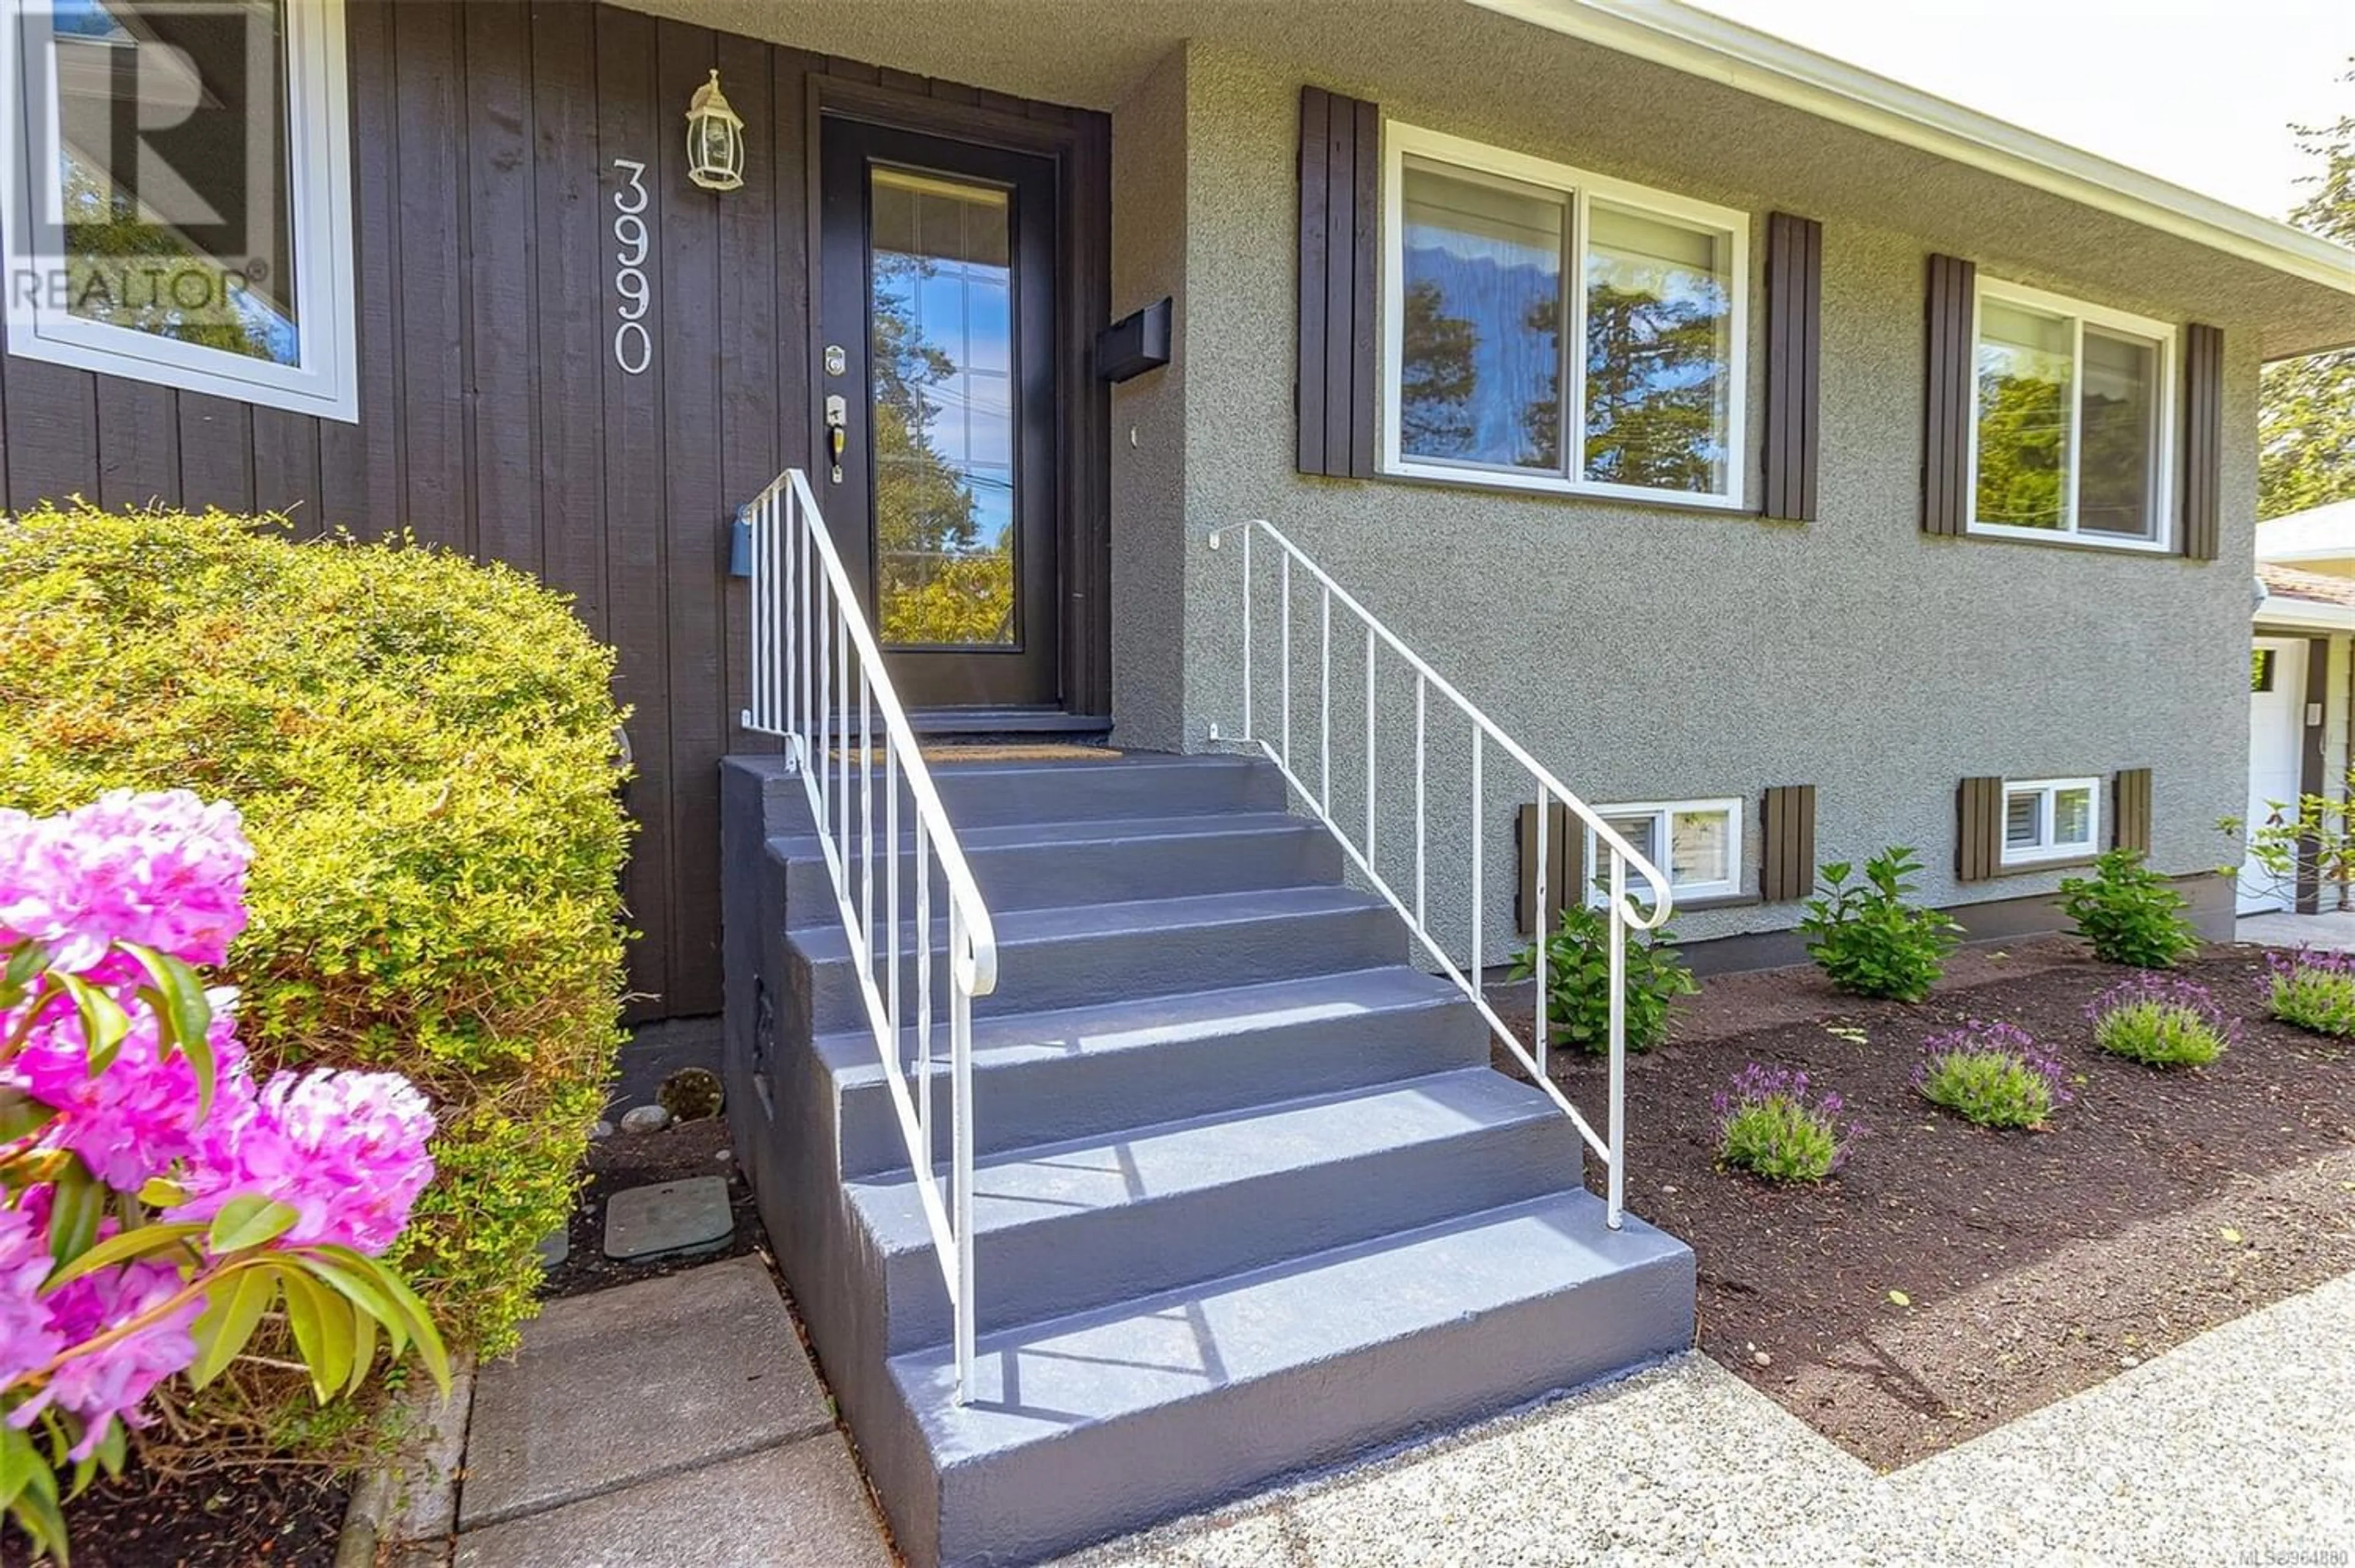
(1249, 1201)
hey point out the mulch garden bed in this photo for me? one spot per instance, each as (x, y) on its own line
(233, 1517)
(624, 1161)
(2030, 1264)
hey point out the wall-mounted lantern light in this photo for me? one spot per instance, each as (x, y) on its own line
(715, 139)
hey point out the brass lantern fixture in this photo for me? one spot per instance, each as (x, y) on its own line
(715, 139)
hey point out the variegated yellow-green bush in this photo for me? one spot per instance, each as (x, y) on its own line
(423, 748)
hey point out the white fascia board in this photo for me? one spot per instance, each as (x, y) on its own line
(1701, 44)
(2304, 614)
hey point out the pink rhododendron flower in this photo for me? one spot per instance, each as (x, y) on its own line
(346, 1149)
(116, 1379)
(163, 869)
(27, 1336)
(138, 1118)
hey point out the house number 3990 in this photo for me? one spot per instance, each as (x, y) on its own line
(634, 350)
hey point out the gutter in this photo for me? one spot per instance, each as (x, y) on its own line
(1685, 39)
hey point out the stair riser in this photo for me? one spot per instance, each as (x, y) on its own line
(1075, 1262)
(1049, 1497)
(1079, 791)
(1078, 971)
(1080, 1096)
(1044, 876)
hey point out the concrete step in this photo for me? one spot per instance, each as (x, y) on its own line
(1089, 1426)
(1142, 784)
(1085, 954)
(1091, 860)
(1069, 1227)
(1083, 1072)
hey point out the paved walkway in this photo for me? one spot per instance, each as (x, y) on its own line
(2233, 1446)
(2333, 929)
(671, 1423)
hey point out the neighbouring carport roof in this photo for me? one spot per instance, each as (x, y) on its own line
(2318, 533)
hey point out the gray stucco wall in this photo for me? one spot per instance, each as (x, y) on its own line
(1648, 653)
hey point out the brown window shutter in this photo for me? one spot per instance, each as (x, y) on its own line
(1786, 867)
(1947, 409)
(2204, 440)
(1978, 830)
(1565, 851)
(2130, 810)
(1794, 298)
(1340, 195)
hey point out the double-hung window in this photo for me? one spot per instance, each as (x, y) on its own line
(178, 195)
(1698, 843)
(2049, 819)
(2071, 418)
(1548, 329)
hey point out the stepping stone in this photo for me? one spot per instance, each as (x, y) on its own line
(556, 1246)
(673, 1219)
(624, 1385)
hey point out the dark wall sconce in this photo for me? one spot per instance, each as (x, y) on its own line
(1135, 344)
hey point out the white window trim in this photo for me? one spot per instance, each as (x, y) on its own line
(2081, 315)
(1730, 807)
(325, 383)
(2046, 789)
(1399, 140)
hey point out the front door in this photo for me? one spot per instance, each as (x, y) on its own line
(2276, 731)
(937, 382)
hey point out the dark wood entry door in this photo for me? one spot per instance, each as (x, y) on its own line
(937, 333)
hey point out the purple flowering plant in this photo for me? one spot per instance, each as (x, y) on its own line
(1991, 1073)
(2311, 989)
(155, 1202)
(1768, 1126)
(2161, 1020)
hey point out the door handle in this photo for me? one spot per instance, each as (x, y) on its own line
(837, 434)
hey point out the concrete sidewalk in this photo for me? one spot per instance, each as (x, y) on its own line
(2333, 930)
(2234, 1445)
(672, 1421)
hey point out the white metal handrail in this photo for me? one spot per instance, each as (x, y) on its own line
(812, 655)
(1625, 913)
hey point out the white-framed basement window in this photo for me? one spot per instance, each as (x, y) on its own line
(178, 205)
(2072, 421)
(1549, 330)
(1698, 843)
(2050, 819)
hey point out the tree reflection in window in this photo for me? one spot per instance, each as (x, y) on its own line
(1658, 317)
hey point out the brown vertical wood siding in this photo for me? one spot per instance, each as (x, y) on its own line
(1794, 298)
(1565, 857)
(1786, 820)
(1978, 830)
(493, 416)
(1946, 409)
(2204, 440)
(2130, 810)
(1340, 199)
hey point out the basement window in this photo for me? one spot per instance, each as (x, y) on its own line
(178, 195)
(2049, 819)
(1549, 329)
(1697, 842)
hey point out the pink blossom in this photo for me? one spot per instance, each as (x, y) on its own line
(163, 869)
(138, 1118)
(346, 1149)
(27, 1336)
(116, 1379)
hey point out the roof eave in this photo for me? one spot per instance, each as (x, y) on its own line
(1701, 44)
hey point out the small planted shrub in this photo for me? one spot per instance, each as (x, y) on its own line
(1578, 981)
(1992, 1074)
(1868, 939)
(2313, 990)
(2129, 913)
(2161, 1020)
(1767, 1125)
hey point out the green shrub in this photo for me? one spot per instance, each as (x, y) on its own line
(423, 749)
(2312, 989)
(2129, 913)
(1767, 1125)
(2161, 1020)
(1869, 940)
(1993, 1074)
(1578, 981)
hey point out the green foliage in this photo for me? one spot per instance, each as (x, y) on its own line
(2314, 991)
(1868, 939)
(1992, 1089)
(1578, 981)
(1778, 1139)
(2129, 913)
(422, 750)
(2158, 1034)
(2306, 419)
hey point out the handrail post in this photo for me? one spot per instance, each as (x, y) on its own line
(1617, 1201)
